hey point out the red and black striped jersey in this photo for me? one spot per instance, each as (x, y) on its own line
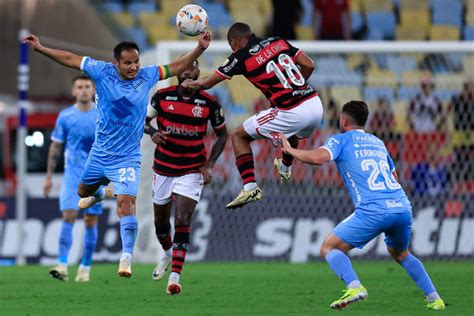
(185, 121)
(269, 64)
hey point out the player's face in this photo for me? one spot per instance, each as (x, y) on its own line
(129, 64)
(192, 72)
(236, 44)
(83, 90)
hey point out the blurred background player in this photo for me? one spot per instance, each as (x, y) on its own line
(75, 126)
(122, 88)
(280, 71)
(181, 168)
(381, 205)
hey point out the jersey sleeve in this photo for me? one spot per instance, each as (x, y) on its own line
(232, 66)
(390, 163)
(154, 106)
(217, 116)
(60, 130)
(92, 67)
(293, 51)
(334, 145)
(154, 73)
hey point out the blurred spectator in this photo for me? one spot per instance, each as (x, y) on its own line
(331, 19)
(463, 108)
(425, 111)
(286, 14)
(331, 116)
(382, 121)
(430, 177)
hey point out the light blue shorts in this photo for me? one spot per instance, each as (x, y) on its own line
(358, 229)
(123, 172)
(69, 198)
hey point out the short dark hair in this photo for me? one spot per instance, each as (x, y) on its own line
(239, 30)
(124, 46)
(357, 111)
(81, 77)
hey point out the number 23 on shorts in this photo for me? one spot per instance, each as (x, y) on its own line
(127, 175)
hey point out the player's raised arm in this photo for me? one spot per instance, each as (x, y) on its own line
(179, 65)
(64, 58)
(314, 156)
(306, 64)
(203, 83)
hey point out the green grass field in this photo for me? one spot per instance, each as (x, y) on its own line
(233, 289)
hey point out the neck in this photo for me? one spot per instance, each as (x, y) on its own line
(83, 106)
(352, 128)
(185, 92)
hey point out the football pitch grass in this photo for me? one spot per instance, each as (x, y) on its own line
(233, 289)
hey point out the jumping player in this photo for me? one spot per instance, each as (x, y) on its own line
(180, 166)
(75, 126)
(280, 71)
(381, 205)
(122, 89)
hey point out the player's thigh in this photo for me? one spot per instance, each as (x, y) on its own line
(398, 234)
(310, 114)
(162, 189)
(357, 230)
(125, 175)
(92, 177)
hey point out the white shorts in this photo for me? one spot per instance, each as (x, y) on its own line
(301, 121)
(190, 185)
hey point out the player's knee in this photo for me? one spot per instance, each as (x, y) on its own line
(82, 193)
(69, 216)
(125, 207)
(182, 219)
(90, 220)
(324, 250)
(397, 255)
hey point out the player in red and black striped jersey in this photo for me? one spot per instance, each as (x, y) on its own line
(280, 71)
(181, 165)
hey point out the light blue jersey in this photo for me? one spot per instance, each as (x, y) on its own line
(122, 105)
(77, 129)
(366, 168)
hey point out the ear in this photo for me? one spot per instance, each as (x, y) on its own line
(115, 62)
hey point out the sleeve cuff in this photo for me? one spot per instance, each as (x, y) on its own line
(83, 61)
(329, 151)
(219, 127)
(57, 140)
(222, 75)
(299, 52)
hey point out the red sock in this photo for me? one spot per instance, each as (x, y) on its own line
(246, 168)
(180, 247)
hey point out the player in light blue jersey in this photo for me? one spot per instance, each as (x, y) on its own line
(381, 205)
(122, 91)
(75, 126)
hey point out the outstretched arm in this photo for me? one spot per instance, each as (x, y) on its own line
(179, 65)
(62, 57)
(314, 156)
(203, 83)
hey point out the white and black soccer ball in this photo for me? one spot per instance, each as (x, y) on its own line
(191, 20)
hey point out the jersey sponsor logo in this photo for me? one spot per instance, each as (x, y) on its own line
(120, 123)
(122, 107)
(182, 131)
(170, 98)
(393, 203)
(255, 49)
(197, 111)
(331, 142)
(200, 101)
(230, 66)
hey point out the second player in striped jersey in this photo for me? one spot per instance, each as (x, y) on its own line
(181, 166)
(280, 71)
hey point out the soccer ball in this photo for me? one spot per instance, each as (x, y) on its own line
(191, 20)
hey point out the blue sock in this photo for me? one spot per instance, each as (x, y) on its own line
(128, 232)
(341, 265)
(417, 272)
(65, 242)
(90, 239)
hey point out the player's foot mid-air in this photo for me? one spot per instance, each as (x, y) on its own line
(122, 88)
(180, 170)
(280, 71)
(381, 205)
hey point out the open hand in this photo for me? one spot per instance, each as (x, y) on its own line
(206, 173)
(159, 137)
(204, 40)
(285, 145)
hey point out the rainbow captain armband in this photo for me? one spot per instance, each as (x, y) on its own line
(164, 71)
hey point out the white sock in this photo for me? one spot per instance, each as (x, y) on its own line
(174, 277)
(354, 284)
(126, 255)
(250, 186)
(433, 297)
(82, 267)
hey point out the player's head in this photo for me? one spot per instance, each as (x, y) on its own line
(192, 72)
(127, 60)
(354, 115)
(238, 35)
(83, 89)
